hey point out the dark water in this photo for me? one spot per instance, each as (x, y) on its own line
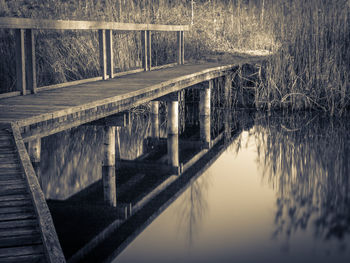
(274, 189)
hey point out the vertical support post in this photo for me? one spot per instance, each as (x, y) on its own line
(149, 38)
(34, 152)
(144, 44)
(204, 115)
(103, 56)
(173, 134)
(20, 61)
(179, 46)
(109, 46)
(182, 47)
(108, 168)
(30, 57)
(155, 119)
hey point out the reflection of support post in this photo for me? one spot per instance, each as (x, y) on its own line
(154, 119)
(108, 168)
(204, 115)
(34, 151)
(228, 91)
(173, 134)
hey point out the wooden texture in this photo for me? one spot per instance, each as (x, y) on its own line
(51, 111)
(20, 236)
(26, 23)
(109, 50)
(144, 52)
(149, 49)
(103, 53)
(179, 46)
(30, 60)
(50, 244)
(20, 61)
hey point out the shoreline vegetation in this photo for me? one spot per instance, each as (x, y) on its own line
(307, 43)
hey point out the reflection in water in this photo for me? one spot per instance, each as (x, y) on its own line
(193, 208)
(302, 159)
(305, 158)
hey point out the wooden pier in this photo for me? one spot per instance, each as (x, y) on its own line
(29, 113)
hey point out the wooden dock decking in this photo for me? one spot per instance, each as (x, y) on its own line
(50, 111)
(24, 217)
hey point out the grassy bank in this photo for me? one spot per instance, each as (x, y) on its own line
(309, 40)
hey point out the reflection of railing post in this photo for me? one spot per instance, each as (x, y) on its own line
(204, 115)
(154, 119)
(173, 133)
(108, 168)
(228, 91)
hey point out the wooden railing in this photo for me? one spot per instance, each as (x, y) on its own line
(25, 47)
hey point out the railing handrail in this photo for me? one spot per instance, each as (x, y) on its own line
(44, 24)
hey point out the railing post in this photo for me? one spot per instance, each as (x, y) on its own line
(182, 47)
(144, 44)
(109, 41)
(149, 38)
(179, 45)
(103, 57)
(30, 57)
(20, 61)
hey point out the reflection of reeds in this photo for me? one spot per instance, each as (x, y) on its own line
(70, 161)
(193, 206)
(306, 159)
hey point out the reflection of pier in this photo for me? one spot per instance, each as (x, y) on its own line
(148, 192)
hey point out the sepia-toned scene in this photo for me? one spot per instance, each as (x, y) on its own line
(175, 131)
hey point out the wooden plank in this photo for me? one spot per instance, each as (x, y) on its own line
(23, 240)
(13, 197)
(67, 84)
(38, 258)
(30, 58)
(21, 251)
(17, 216)
(19, 223)
(10, 94)
(20, 61)
(26, 202)
(19, 231)
(26, 23)
(52, 246)
(11, 181)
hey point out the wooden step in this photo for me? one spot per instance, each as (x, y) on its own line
(11, 177)
(17, 216)
(19, 223)
(37, 258)
(25, 202)
(23, 240)
(20, 251)
(4, 171)
(15, 209)
(10, 165)
(14, 197)
(12, 189)
(19, 231)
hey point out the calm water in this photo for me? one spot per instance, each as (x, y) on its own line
(275, 189)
